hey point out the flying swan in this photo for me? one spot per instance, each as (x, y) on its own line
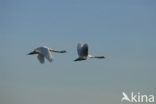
(44, 52)
(83, 53)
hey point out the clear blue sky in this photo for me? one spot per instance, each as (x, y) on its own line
(124, 31)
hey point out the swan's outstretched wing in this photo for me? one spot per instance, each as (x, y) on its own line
(41, 58)
(79, 49)
(48, 56)
(84, 50)
(46, 53)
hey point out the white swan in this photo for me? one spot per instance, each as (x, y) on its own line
(83, 53)
(44, 52)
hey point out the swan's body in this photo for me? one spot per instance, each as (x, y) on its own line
(44, 52)
(83, 53)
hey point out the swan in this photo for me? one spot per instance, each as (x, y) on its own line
(83, 53)
(44, 52)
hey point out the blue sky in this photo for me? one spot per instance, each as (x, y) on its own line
(121, 30)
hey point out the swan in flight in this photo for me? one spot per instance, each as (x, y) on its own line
(44, 52)
(83, 53)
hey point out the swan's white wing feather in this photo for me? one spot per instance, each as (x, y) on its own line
(79, 48)
(46, 53)
(49, 56)
(41, 58)
(84, 50)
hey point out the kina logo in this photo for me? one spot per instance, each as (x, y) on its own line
(138, 97)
